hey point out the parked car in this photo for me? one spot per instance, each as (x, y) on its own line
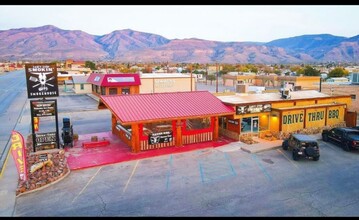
(347, 138)
(302, 145)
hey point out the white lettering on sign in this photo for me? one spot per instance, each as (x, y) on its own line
(164, 83)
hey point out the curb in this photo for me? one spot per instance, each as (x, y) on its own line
(47, 185)
(259, 150)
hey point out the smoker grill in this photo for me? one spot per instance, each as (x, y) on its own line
(67, 132)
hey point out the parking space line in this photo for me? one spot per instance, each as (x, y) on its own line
(169, 172)
(295, 165)
(331, 147)
(230, 164)
(129, 179)
(261, 167)
(201, 171)
(83, 189)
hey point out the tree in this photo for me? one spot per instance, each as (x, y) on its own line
(310, 71)
(338, 72)
(211, 78)
(90, 65)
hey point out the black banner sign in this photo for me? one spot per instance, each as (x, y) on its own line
(41, 80)
(43, 108)
(44, 141)
(246, 109)
(160, 137)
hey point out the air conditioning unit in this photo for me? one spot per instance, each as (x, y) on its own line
(285, 94)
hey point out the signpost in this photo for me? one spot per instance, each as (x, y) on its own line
(42, 82)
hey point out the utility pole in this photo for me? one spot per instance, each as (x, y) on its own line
(217, 77)
(190, 69)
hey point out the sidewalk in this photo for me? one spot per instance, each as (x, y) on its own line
(264, 145)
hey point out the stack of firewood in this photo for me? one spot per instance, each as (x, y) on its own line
(247, 139)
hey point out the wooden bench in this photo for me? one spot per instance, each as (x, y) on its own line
(91, 144)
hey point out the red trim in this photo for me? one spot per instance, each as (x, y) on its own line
(102, 79)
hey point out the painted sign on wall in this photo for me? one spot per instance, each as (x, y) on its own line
(292, 120)
(335, 115)
(315, 117)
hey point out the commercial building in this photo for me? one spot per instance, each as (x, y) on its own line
(114, 84)
(271, 80)
(167, 82)
(258, 114)
(151, 121)
(80, 85)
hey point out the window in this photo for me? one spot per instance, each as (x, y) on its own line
(197, 123)
(82, 87)
(113, 91)
(125, 91)
(157, 127)
(353, 96)
(103, 91)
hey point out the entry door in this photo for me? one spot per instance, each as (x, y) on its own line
(255, 125)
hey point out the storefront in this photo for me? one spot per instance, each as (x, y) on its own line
(258, 114)
(114, 83)
(152, 121)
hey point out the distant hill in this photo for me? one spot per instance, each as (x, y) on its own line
(52, 43)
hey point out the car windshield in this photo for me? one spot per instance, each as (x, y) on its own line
(354, 135)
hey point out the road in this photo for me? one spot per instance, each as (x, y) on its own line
(13, 97)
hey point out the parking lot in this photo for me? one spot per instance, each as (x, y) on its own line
(209, 182)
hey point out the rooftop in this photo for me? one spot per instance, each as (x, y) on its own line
(165, 106)
(244, 98)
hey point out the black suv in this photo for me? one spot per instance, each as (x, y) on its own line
(302, 146)
(346, 138)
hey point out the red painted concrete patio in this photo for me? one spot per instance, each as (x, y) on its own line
(79, 157)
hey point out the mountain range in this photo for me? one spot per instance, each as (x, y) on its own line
(51, 43)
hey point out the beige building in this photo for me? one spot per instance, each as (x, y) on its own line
(80, 85)
(167, 82)
(343, 89)
(271, 80)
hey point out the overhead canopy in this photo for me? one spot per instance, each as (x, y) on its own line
(138, 108)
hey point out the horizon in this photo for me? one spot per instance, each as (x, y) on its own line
(186, 22)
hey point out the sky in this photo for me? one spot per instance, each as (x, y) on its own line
(210, 22)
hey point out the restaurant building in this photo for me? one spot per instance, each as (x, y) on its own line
(114, 84)
(258, 114)
(158, 120)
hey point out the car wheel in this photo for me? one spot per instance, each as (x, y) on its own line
(316, 158)
(295, 155)
(346, 147)
(325, 137)
(285, 146)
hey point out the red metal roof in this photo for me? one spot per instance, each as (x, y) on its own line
(165, 106)
(115, 79)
